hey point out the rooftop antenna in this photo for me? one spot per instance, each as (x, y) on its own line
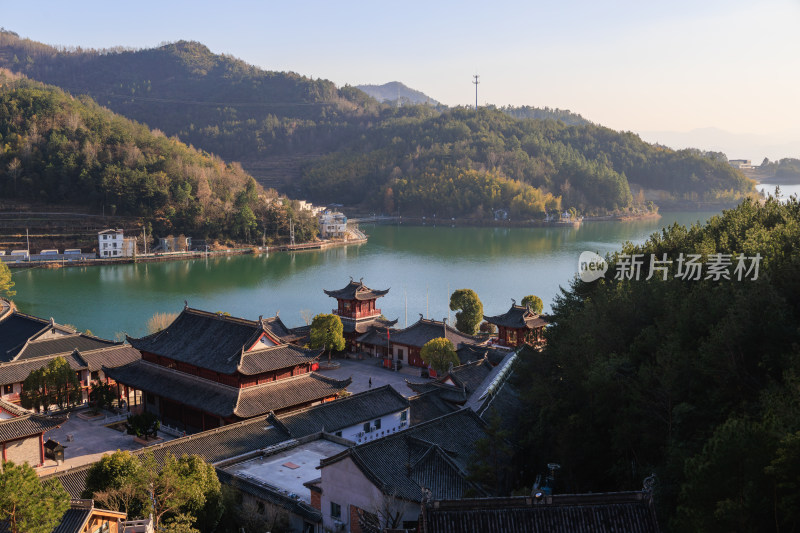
(476, 82)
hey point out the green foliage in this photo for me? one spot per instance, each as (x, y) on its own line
(55, 384)
(534, 302)
(471, 310)
(695, 381)
(182, 494)
(327, 333)
(238, 111)
(6, 283)
(26, 504)
(783, 168)
(57, 148)
(143, 425)
(439, 354)
(102, 395)
(491, 464)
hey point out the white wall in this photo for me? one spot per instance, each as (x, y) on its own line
(391, 423)
(343, 483)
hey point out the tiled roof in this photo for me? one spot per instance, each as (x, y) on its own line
(632, 512)
(275, 358)
(518, 317)
(14, 409)
(286, 393)
(73, 520)
(344, 412)
(110, 357)
(363, 326)
(376, 335)
(261, 492)
(472, 352)
(17, 371)
(223, 400)
(424, 330)
(356, 291)
(434, 454)
(212, 445)
(429, 405)
(27, 425)
(62, 344)
(448, 393)
(15, 330)
(469, 375)
(203, 339)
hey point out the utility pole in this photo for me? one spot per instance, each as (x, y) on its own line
(476, 82)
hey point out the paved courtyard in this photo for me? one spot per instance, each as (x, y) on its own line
(361, 370)
(90, 440)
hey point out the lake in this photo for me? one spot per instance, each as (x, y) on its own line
(421, 264)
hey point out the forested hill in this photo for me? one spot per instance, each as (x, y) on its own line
(58, 149)
(343, 146)
(691, 375)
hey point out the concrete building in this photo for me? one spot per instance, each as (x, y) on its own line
(110, 243)
(332, 225)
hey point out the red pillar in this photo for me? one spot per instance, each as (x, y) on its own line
(41, 449)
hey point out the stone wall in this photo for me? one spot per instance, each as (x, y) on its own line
(25, 450)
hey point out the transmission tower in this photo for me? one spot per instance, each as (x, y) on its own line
(476, 82)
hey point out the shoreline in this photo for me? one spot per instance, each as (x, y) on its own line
(182, 256)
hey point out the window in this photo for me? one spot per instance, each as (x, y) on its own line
(367, 427)
(95, 375)
(260, 508)
(8, 389)
(404, 416)
(338, 433)
(378, 424)
(336, 510)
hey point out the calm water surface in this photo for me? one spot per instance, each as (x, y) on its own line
(421, 265)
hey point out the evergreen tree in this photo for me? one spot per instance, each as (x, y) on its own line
(26, 504)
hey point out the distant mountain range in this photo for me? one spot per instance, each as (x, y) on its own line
(397, 92)
(338, 144)
(734, 145)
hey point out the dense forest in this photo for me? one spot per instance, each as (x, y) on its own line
(695, 381)
(357, 151)
(783, 168)
(57, 149)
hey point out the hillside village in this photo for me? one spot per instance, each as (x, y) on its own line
(372, 440)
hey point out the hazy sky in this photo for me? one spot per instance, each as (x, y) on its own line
(630, 65)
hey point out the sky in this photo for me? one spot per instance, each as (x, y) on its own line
(641, 66)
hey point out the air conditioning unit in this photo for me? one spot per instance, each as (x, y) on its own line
(339, 525)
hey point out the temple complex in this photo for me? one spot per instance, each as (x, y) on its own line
(517, 326)
(206, 370)
(356, 307)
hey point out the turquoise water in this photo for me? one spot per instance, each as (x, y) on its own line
(421, 264)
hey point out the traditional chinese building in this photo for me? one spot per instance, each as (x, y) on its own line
(206, 370)
(356, 307)
(22, 434)
(517, 326)
(28, 343)
(404, 345)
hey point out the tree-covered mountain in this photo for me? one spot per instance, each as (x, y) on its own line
(57, 149)
(397, 93)
(694, 378)
(340, 145)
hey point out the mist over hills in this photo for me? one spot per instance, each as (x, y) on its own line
(307, 137)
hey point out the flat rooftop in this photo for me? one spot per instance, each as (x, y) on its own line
(289, 469)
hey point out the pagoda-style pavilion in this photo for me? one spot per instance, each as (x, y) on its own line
(206, 370)
(357, 311)
(519, 325)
